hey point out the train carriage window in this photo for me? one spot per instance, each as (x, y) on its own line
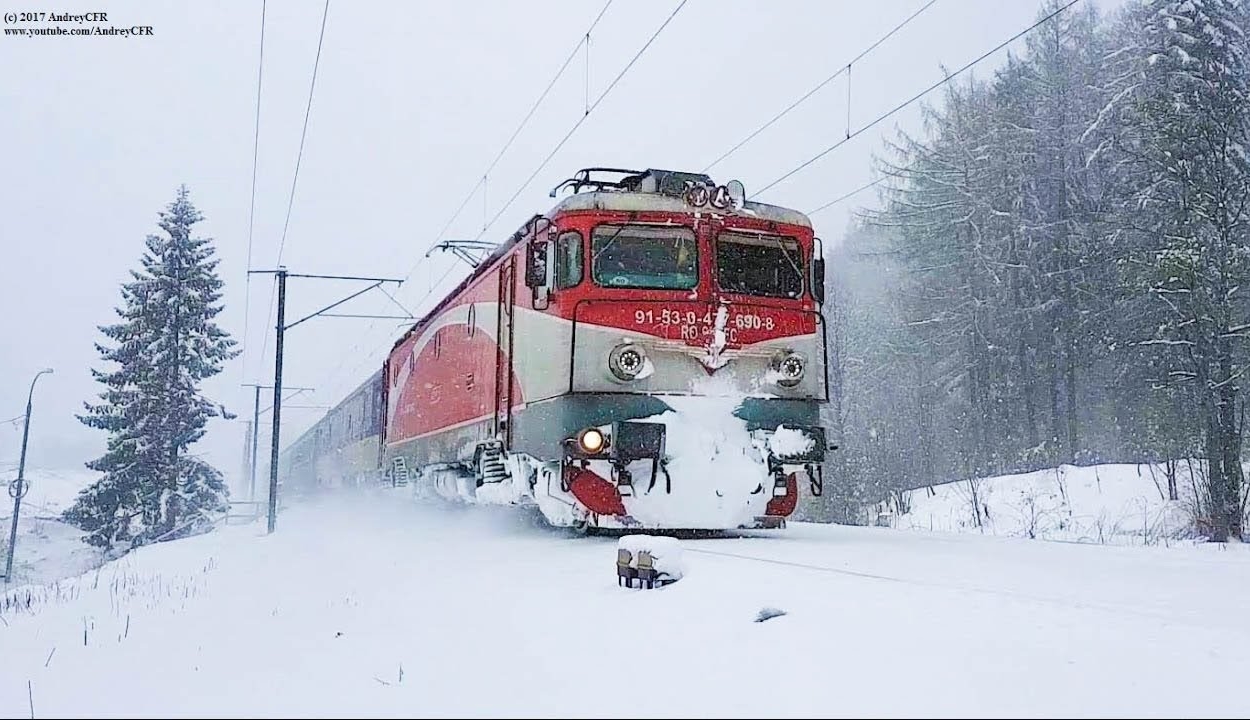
(645, 256)
(756, 264)
(568, 260)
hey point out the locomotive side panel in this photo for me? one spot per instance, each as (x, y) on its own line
(542, 343)
(442, 380)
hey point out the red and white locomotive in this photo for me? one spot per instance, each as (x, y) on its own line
(648, 354)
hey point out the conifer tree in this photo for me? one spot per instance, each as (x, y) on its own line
(164, 345)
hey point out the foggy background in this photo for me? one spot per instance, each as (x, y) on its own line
(412, 102)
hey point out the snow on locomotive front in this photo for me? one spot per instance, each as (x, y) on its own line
(649, 354)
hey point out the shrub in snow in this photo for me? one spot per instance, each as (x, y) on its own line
(648, 560)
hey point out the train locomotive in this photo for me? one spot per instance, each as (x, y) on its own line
(650, 353)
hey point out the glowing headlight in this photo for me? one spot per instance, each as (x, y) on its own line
(627, 361)
(591, 441)
(789, 367)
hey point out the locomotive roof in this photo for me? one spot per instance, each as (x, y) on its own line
(655, 202)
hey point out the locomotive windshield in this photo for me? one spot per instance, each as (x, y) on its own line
(767, 265)
(645, 256)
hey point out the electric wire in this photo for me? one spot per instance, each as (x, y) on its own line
(848, 195)
(482, 179)
(914, 98)
(295, 178)
(582, 119)
(521, 126)
(550, 155)
(251, 213)
(843, 69)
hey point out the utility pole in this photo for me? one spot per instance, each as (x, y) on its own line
(251, 483)
(282, 275)
(251, 487)
(18, 487)
(277, 401)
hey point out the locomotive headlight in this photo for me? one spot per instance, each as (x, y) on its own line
(789, 368)
(591, 441)
(627, 361)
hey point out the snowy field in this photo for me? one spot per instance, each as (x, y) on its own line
(47, 548)
(1107, 504)
(372, 606)
(51, 490)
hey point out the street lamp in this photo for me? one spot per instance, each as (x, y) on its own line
(18, 488)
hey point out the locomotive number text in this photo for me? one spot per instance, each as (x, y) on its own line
(753, 322)
(693, 324)
(669, 317)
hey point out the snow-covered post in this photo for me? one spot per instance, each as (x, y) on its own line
(18, 488)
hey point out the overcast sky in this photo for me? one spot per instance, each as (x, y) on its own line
(413, 100)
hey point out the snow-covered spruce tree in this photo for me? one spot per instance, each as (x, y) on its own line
(165, 344)
(1186, 121)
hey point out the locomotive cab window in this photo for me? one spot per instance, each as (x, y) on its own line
(762, 265)
(645, 256)
(568, 260)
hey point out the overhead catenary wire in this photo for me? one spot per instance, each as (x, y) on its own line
(547, 90)
(849, 135)
(334, 374)
(397, 303)
(898, 172)
(481, 183)
(299, 157)
(483, 179)
(435, 285)
(846, 68)
(914, 98)
(251, 213)
(849, 195)
(582, 119)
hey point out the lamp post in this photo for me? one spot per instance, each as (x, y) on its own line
(18, 488)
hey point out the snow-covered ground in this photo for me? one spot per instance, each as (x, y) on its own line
(1113, 504)
(47, 548)
(373, 606)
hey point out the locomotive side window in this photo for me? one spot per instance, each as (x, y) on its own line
(568, 260)
(538, 271)
(767, 265)
(645, 256)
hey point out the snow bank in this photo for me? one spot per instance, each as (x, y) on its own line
(1112, 504)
